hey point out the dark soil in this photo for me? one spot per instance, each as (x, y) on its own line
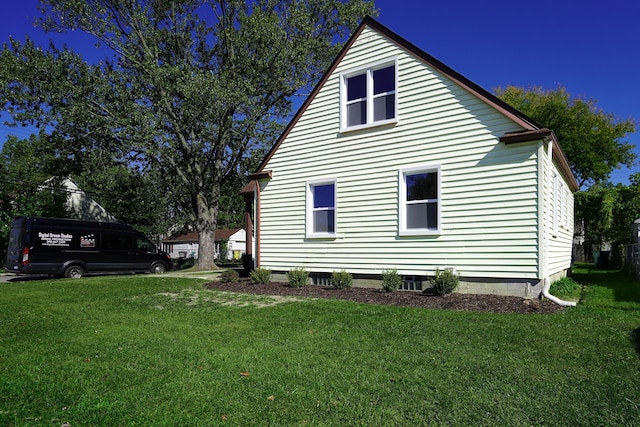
(463, 302)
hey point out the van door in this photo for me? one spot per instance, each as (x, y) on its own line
(117, 251)
(16, 244)
(146, 253)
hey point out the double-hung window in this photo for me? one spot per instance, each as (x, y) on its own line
(420, 201)
(321, 208)
(369, 96)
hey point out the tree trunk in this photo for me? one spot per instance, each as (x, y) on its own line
(206, 227)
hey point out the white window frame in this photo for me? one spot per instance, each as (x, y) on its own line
(567, 199)
(310, 209)
(368, 70)
(555, 213)
(402, 202)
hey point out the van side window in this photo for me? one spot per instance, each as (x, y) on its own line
(144, 245)
(116, 242)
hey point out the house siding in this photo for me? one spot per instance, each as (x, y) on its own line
(561, 236)
(489, 190)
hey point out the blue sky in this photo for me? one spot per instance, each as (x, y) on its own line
(591, 47)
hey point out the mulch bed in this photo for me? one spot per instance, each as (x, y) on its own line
(463, 302)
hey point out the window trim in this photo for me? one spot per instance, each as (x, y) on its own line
(368, 70)
(310, 234)
(402, 201)
(556, 202)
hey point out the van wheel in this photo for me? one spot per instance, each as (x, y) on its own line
(158, 268)
(74, 272)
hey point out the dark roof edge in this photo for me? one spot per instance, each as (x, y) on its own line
(558, 154)
(531, 126)
(315, 91)
(508, 110)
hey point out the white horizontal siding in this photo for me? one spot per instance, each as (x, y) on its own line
(561, 238)
(489, 190)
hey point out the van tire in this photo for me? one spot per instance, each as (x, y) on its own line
(158, 268)
(74, 272)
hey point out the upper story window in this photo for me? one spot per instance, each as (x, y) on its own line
(368, 96)
(420, 201)
(321, 208)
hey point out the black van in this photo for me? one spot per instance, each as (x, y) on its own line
(71, 248)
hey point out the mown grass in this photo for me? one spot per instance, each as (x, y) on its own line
(148, 350)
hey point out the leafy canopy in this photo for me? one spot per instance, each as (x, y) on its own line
(591, 138)
(195, 90)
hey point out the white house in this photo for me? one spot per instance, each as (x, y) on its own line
(185, 245)
(397, 161)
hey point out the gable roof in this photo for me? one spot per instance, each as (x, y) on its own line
(192, 236)
(533, 130)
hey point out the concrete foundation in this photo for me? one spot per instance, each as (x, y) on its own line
(507, 287)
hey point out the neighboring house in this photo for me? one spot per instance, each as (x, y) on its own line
(397, 161)
(186, 245)
(83, 206)
(79, 204)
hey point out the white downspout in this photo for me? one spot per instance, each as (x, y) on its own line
(545, 292)
(547, 280)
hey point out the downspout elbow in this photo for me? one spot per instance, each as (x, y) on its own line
(545, 292)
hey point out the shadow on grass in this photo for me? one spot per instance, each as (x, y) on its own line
(635, 339)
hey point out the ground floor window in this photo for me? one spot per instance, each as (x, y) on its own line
(321, 208)
(419, 200)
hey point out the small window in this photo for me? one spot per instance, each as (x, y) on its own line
(369, 96)
(420, 201)
(321, 209)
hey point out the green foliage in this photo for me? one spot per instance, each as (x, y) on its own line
(184, 263)
(28, 183)
(260, 276)
(229, 276)
(148, 104)
(606, 212)
(133, 196)
(298, 277)
(391, 280)
(565, 288)
(341, 279)
(591, 138)
(445, 281)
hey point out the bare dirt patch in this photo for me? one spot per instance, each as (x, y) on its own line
(195, 298)
(463, 302)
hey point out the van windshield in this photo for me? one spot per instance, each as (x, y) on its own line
(144, 245)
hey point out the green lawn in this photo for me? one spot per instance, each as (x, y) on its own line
(154, 351)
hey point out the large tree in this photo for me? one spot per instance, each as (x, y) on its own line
(189, 88)
(592, 139)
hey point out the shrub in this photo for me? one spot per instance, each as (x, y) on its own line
(297, 277)
(391, 280)
(445, 281)
(341, 279)
(184, 263)
(229, 276)
(565, 287)
(260, 275)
